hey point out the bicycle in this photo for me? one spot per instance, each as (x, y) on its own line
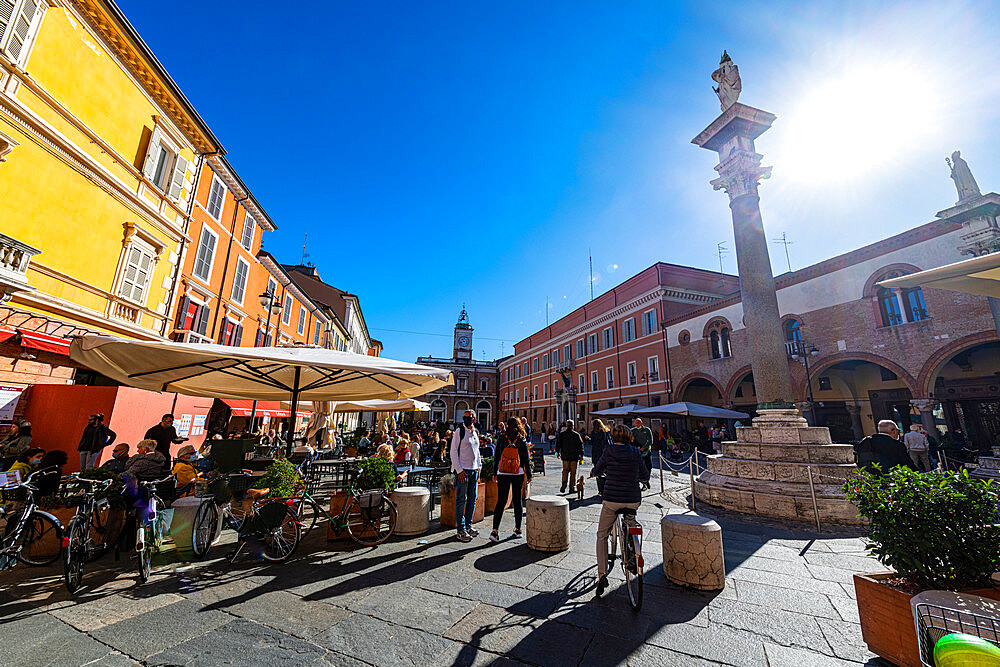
(626, 535)
(149, 532)
(269, 521)
(29, 528)
(368, 517)
(79, 543)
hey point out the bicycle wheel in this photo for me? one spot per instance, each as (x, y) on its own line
(309, 513)
(632, 566)
(370, 526)
(146, 553)
(280, 542)
(76, 553)
(203, 529)
(39, 532)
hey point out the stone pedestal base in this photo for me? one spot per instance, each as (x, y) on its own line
(412, 510)
(692, 551)
(764, 472)
(547, 523)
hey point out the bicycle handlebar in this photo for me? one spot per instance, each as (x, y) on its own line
(156, 481)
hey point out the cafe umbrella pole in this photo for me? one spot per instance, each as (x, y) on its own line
(295, 406)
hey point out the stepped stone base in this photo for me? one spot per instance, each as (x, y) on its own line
(764, 471)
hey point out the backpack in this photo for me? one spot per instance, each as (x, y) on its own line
(510, 459)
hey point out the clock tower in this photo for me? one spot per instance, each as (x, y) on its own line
(463, 337)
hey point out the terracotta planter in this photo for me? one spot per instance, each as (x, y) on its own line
(492, 495)
(448, 506)
(50, 544)
(336, 507)
(887, 620)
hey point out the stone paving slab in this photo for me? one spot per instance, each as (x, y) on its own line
(431, 600)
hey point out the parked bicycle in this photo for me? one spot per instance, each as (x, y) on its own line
(368, 517)
(626, 539)
(79, 542)
(152, 523)
(31, 536)
(268, 522)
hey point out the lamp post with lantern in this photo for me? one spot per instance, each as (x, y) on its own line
(799, 350)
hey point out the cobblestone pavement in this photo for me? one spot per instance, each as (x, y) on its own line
(432, 600)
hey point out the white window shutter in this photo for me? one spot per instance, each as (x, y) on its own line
(177, 182)
(6, 12)
(149, 167)
(23, 26)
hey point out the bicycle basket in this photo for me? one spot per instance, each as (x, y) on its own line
(268, 517)
(371, 504)
(238, 485)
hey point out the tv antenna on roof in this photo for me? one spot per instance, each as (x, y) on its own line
(305, 239)
(722, 250)
(785, 242)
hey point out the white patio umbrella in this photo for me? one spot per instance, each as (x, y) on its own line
(380, 405)
(257, 373)
(979, 275)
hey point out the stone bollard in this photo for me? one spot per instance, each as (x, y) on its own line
(412, 509)
(547, 523)
(692, 551)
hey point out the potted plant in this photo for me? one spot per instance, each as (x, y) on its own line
(935, 530)
(374, 473)
(447, 488)
(281, 477)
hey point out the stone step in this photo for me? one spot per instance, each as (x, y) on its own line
(779, 471)
(825, 490)
(785, 435)
(795, 507)
(789, 453)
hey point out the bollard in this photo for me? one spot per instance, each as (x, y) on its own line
(691, 471)
(812, 492)
(659, 456)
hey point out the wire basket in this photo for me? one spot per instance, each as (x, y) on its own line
(945, 613)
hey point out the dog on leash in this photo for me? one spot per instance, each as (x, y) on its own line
(579, 488)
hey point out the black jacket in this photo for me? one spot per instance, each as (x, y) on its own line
(599, 441)
(96, 437)
(624, 469)
(884, 450)
(522, 451)
(570, 445)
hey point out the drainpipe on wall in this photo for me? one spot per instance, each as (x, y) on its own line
(618, 354)
(180, 255)
(666, 356)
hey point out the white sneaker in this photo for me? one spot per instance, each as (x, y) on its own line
(494, 536)
(472, 532)
(463, 536)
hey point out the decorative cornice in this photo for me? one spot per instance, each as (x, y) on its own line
(119, 35)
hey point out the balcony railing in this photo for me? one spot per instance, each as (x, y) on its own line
(14, 259)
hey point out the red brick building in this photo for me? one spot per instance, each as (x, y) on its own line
(674, 333)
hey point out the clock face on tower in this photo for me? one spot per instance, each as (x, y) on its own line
(463, 341)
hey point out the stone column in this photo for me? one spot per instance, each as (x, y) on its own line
(926, 408)
(732, 136)
(857, 427)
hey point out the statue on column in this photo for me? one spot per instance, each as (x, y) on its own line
(965, 183)
(728, 78)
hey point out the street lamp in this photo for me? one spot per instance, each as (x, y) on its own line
(801, 351)
(645, 378)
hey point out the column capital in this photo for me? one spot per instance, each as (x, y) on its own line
(740, 173)
(852, 408)
(924, 404)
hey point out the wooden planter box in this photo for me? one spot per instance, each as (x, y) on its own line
(492, 497)
(448, 506)
(887, 619)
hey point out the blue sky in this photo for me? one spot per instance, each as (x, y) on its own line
(447, 153)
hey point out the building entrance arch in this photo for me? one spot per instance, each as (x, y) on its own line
(438, 408)
(700, 389)
(964, 383)
(460, 408)
(484, 414)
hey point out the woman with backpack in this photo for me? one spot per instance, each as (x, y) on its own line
(513, 466)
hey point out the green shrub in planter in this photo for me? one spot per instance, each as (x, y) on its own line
(281, 477)
(937, 530)
(376, 472)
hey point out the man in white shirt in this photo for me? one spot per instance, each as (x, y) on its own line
(466, 463)
(917, 446)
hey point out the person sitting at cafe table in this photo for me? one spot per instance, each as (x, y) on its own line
(27, 461)
(147, 464)
(185, 470)
(119, 456)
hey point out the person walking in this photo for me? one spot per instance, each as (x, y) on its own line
(918, 447)
(96, 436)
(513, 467)
(625, 471)
(600, 440)
(883, 449)
(570, 447)
(165, 434)
(642, 438)
(552, 435)
(527, 428)
(466, 464)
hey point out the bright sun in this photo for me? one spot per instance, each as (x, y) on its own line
(863, 119)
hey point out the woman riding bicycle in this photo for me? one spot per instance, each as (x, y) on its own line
(623, 467)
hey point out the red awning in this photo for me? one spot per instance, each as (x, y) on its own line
(5, 333)
(243, 408)
(44, 342)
